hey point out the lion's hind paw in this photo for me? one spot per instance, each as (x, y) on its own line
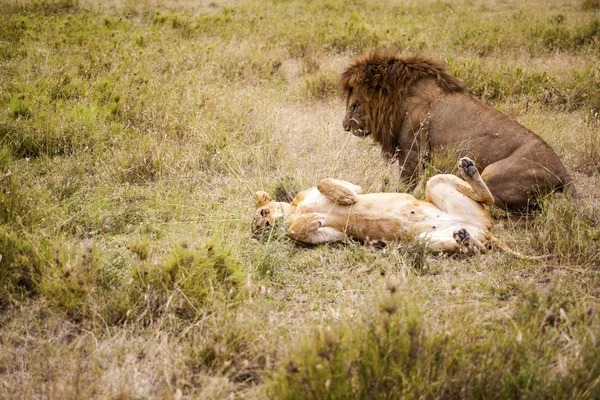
(468, 243)
(467, 167)
(461, 236)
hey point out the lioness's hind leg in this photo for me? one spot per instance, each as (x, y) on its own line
(339, 191)
(468, 243)
(475, 187)
(467, 167)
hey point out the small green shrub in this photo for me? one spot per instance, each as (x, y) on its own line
(230, 345)
(159, 18)
(20, 107)
(272, 254)
(188, 281)
(52, 7)
(64, 89)
(588, 159)
(558, 37)
(570, 92)
(49, 134)
(321, 86)
(589, 35)
(20, 266)
(140, 166)
(590, 4)
(70, 284)
(396, 353)
(141, 248)
(562, 231)
(83, 283)
(15, 201)
(357, 34)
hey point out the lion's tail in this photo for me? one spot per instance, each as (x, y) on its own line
(494, 241)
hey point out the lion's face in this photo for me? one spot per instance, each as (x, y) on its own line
(266, 215)
(356, 120)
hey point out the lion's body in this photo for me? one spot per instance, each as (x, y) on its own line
(430, 115)
(335, 210)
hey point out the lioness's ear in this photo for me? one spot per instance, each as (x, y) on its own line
(262, 198)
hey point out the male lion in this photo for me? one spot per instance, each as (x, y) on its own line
(413, 108)
(451, 218)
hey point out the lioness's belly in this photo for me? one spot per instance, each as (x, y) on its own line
(380, 216)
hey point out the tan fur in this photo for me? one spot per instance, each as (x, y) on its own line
(336, 210)
(414, 109)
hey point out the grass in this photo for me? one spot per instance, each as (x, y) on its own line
(133, 136)
(394, 352)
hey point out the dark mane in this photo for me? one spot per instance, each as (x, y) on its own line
(384, 78)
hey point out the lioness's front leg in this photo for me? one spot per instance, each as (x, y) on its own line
(474, 187)
(308, 228)
(339, 191)
(306, 223)
(325, 234)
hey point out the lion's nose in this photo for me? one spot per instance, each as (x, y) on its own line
(267, 223)
(346, 126)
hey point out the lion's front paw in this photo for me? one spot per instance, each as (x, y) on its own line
(467, 167)
(308, 223)
(314, 222)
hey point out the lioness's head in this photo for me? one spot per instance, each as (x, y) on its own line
(267, 211)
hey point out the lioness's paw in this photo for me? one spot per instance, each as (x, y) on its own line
(316, 221)
(308, 223)
(467, 167)
(470, 244)
(462, 236)
(346, 200)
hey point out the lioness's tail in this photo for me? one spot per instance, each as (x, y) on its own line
(494, 241)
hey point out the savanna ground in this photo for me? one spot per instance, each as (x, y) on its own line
(133, 135)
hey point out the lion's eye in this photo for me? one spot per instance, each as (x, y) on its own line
(354, 106)
(263, 213)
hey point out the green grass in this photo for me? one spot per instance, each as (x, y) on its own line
(398, 351)
(133, 136)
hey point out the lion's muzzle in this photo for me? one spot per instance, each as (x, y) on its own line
(355, 127)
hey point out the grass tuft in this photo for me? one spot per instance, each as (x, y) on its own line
(21, 264)
(140, 166)
(20, 108)
(562, 231)
(589, 152)
(188, 281)
(321, 86)
(71, 282)
(590, 4)
(415, 256)
(269, 261)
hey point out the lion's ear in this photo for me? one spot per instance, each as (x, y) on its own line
(262, 198)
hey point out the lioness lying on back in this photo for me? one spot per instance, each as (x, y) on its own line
(451, 218)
